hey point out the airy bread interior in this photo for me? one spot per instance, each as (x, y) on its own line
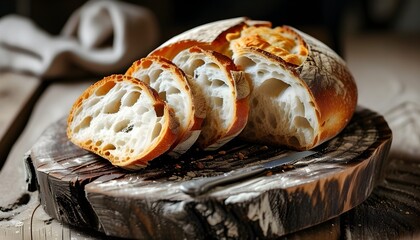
(173, 87)
(120, 120)
(216, 83)
(282, 110)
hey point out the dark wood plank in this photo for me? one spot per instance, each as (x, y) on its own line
(83, 190)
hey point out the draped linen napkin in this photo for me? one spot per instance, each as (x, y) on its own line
(101, 37)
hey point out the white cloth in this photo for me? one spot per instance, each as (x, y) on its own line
(102, 37)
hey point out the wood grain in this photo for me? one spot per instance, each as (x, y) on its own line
(81, 189)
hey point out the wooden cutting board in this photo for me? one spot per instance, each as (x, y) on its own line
(81, 189)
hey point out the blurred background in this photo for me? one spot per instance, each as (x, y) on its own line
(328, 20)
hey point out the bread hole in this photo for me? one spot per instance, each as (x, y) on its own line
(144, 78)
(104, 89)
(156, 130)
(299, 108)
(83, 124)
(211, 65)
(217, 83)
(78, 111)
(112, 107)
(131, 98)
(162, 96)
(245, 62)
(122, 126)
(88, 142)
(98, 143)
(115, 105)
(109, 147)
(92, 102)
(159, 109)
(197, 63)
(155, 73)
(273, 88)
(173, 90)
(301, 122)
(260, 73)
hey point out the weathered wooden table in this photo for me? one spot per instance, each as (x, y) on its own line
(388, 83)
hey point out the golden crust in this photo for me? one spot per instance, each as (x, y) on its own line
(165, 140)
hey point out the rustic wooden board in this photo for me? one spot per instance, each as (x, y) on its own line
(83, 190)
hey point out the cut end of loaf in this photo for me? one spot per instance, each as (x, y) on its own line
(282, 110)
(122, 120)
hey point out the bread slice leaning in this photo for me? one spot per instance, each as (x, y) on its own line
(122, 120)
(174, 88)
(225, 91)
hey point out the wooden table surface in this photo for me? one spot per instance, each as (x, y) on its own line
(386, 68)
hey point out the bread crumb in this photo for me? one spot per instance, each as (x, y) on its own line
(222, 152)
(241, 156)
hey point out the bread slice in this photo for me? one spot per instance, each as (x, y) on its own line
(124, 121)
(225, 91)
(173, 87)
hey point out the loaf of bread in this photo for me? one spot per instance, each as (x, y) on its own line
(235, 77)
(174, 88)
(124, 121)
(302, 93)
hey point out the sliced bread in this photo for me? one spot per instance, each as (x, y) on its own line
(124, 121)
(174, 88)
(225, 91)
